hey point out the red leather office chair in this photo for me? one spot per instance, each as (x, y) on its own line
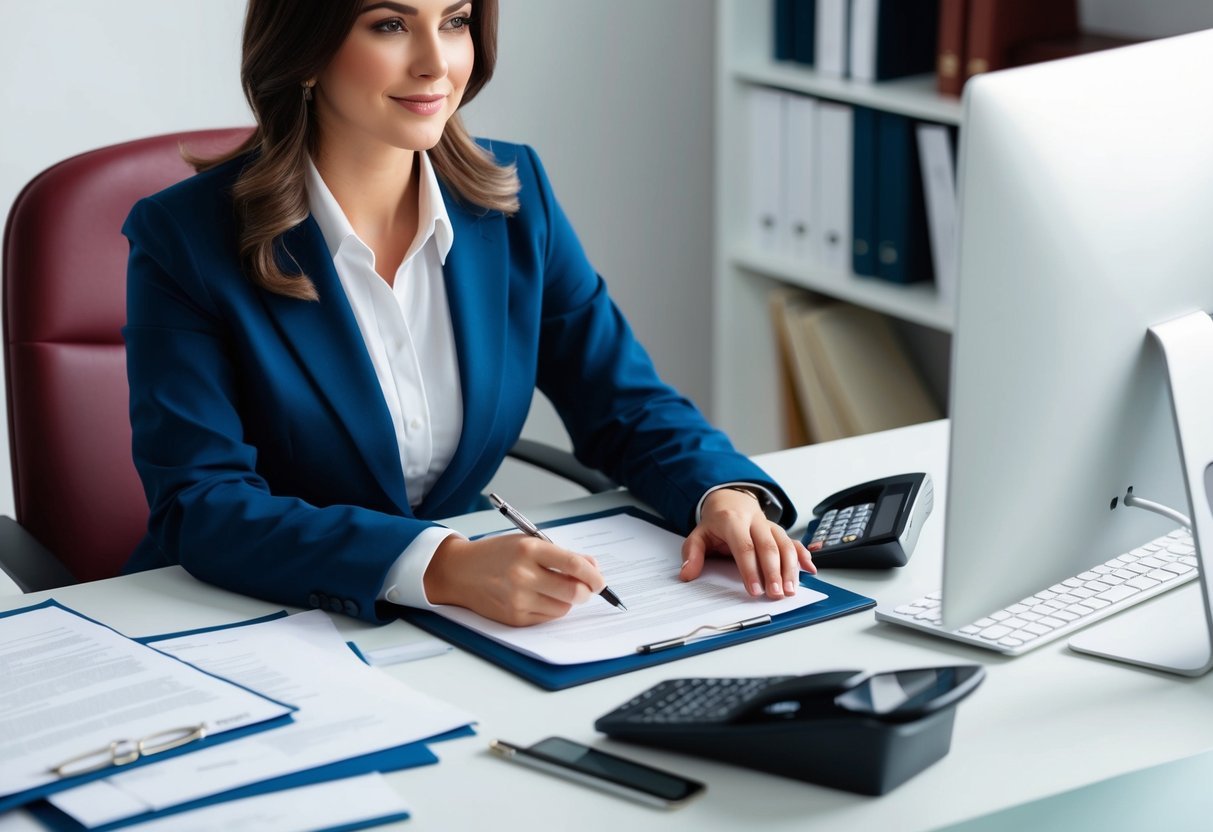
(64, 306)
(75, 486)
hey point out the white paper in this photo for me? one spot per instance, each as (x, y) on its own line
(70, 686)
(640, 562)
(331, 805)
(346, 709)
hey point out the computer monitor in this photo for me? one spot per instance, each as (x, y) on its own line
(1086, 204)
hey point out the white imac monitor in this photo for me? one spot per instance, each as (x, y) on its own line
(1086, 200)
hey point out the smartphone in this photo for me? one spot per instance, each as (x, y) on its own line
(601, 770)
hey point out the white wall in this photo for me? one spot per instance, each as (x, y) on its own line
(616, 97)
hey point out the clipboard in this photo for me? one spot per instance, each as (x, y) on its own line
(37, 792)
(409, 755)
(838, 602)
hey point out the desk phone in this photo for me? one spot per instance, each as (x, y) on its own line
(843, 728)
(873, 525)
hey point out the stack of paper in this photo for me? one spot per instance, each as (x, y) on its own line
(351, 720)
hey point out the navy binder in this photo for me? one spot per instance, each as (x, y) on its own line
(838, 602)
(795, 25)
(903, 249)
(785, 42)
(863, 192)
(907, 33)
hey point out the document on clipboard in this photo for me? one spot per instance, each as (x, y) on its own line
(641, 561)
(79, 700)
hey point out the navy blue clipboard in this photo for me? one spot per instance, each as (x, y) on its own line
(838, 602)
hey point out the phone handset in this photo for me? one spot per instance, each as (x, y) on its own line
(794, 698)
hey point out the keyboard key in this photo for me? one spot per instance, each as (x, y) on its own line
(1142, 582)
(1118, 593)
(983, 622)
(1016, 609)
(1000, 615)
(1010, 642)
(1178, 568)
(1052, 623)
(996, 632)
(1038, 628)
(1151, 561)
(1025, 635)
(1098, 586)
(1082, 592)
(1087, 576)
(1162, 575)
(969, 629)
(1096, 603)
(1067, 615)
(1045, 595)
(906, 609)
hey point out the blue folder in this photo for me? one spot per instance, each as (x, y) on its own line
(864, 191)
(838, 602)
(22, 798)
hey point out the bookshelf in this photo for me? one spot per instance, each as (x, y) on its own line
(746, 395)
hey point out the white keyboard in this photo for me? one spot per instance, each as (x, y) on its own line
(1162, 564)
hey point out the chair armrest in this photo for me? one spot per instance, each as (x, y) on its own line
(562, 464)
(30, 564)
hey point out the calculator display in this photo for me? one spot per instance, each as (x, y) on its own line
(886, 514)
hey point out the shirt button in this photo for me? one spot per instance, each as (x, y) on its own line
(415, 471)
(415, 424)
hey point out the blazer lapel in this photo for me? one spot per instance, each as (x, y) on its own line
(326, 338)
(476, 274)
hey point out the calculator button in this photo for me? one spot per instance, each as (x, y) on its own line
(851, 538)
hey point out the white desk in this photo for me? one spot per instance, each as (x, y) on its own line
(1081, 719)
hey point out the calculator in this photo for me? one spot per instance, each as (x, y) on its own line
(873, 525)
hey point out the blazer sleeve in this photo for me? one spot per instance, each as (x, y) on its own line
(621, 417)
(210, 510)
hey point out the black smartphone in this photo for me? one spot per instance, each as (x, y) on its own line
(601, 770)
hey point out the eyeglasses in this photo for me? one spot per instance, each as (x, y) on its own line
(125, 752)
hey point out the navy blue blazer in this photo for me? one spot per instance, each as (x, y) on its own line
(260, 430)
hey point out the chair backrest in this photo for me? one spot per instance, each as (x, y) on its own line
(64, 299)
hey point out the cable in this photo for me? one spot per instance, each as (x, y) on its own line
(1158, 508)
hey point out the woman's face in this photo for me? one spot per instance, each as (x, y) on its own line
(398, 76)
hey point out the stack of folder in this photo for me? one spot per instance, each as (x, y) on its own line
(849, 372)
(847, 189)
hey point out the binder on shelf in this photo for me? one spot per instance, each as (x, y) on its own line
(800, 182)
(804, 22)
(766, 110)
(784, 30)
(892, 38)
(902, 250)
(864, 191)
(996, 27)
(938, 164)
(864, 371)
(950, 61)
(833, 22)
(549, 676)
(833, 171)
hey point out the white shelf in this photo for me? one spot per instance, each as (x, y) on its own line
(920, 303)
(915, 96)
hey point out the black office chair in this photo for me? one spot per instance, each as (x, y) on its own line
(80, 506)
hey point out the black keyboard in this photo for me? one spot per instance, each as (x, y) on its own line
(690, 700)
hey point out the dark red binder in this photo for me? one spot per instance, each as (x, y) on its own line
(996, 27)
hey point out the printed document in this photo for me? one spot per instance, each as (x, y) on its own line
(640, 562)
(70, 686)
(353, 803)
(346, 709)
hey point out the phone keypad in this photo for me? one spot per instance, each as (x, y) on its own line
(840, 526)
(691, 700)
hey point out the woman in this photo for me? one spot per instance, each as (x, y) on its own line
(334, 334)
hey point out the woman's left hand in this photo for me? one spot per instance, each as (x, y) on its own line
(732, 523)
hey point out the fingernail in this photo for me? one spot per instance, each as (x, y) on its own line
(756, 588)
(685, 564)
(776, 589)
(789, 587)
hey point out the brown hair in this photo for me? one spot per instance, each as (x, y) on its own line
(287, 42)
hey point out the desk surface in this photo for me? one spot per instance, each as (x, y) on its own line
(1078, 719)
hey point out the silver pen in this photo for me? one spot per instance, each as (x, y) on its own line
(528, 528)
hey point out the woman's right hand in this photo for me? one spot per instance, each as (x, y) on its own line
(513, 578)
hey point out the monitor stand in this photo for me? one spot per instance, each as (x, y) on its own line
(1173, 633)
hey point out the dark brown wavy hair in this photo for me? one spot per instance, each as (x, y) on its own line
(287, 42)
